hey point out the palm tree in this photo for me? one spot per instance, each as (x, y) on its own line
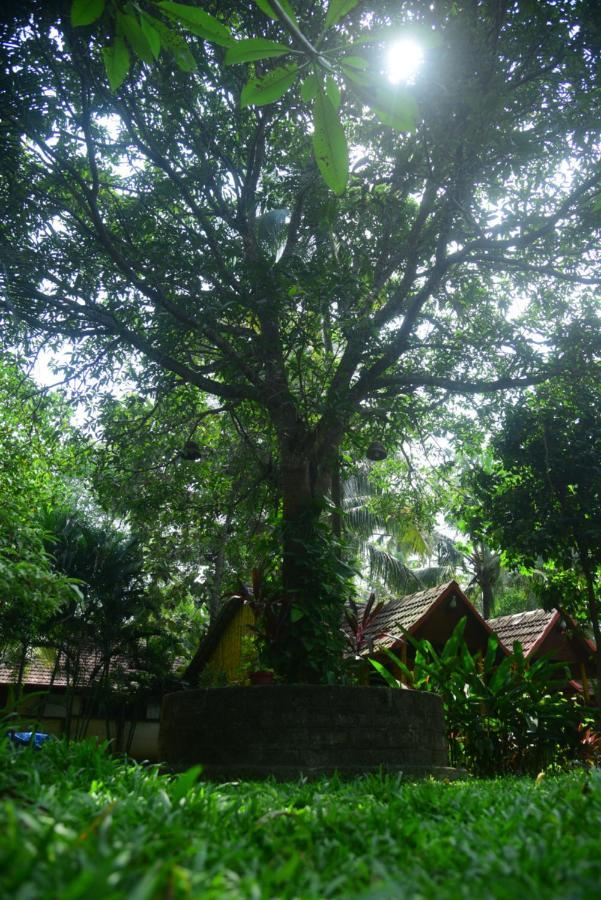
(395, 553)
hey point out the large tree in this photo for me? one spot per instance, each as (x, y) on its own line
(137, 225)
(540, 499)
(38, 456)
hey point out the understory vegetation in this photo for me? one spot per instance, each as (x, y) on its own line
(77, 823)
(503, 716)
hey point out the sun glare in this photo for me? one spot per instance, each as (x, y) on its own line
(404, 61)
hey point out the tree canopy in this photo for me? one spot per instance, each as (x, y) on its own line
(540, 499)
(36, 459)
(180, 229)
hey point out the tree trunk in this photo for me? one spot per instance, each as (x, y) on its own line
(313, 578)
(488, 598)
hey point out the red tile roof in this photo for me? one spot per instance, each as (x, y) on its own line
(525, 627)
(39, 669)
(398, 616)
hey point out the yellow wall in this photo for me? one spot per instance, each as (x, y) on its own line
(227, 657)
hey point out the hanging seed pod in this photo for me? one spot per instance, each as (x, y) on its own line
(376, 451)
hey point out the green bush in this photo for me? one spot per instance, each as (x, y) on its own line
(503, 715)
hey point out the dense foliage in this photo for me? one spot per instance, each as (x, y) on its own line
(503, 714)
(76, 823)
(174, 226)
(36, 459)
(540, 496)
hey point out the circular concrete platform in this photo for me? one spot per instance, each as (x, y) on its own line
(286, 731)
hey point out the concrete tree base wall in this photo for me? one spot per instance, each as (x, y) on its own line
(289, 730)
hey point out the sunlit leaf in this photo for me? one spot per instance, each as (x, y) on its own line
(356, 77)
(116, 62)
(333, 92)
(393, 105)
(388, 677)
(184, 783)
(176, 45)
(152, 36)
(84, 12)
(309, 87)
(354, 62)
(329, 144)
(129, 27)
(198, 22)
(253, 49)
(395, 108)
(337, 9)
(270, 87)
(268, 9)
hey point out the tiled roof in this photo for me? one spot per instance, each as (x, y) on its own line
(39, 669)
(398, 616)
(525, 627)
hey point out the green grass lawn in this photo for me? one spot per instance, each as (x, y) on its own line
(76, 824)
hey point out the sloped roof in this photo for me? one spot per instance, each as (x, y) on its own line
(532, 627)
(404, 614)
(526, 627)
(38, 670)
(82, 671)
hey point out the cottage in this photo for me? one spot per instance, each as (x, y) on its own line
(219, 658)
(553, 634)
(430, 615)
(64, 696)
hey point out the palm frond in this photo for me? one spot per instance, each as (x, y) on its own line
(358, 488)
(272, 231)
(431, 576)
(392, 571)
(362, 523)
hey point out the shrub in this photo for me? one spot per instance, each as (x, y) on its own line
(503, 716)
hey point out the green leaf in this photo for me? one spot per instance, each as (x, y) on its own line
(378, 36)
(184, 783)
(198, 22)
(296, 614)
(337, 9)
(329, 144)
(152, 36)
(253, 49)
(354, 62)
(357, 77)
(309, 87)
(84, 12)
(128, 26)
(176, 44)
(395, 107)
(269, 87)
(388, 677)
(116, 62)
(268, 9)
(333, 92)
